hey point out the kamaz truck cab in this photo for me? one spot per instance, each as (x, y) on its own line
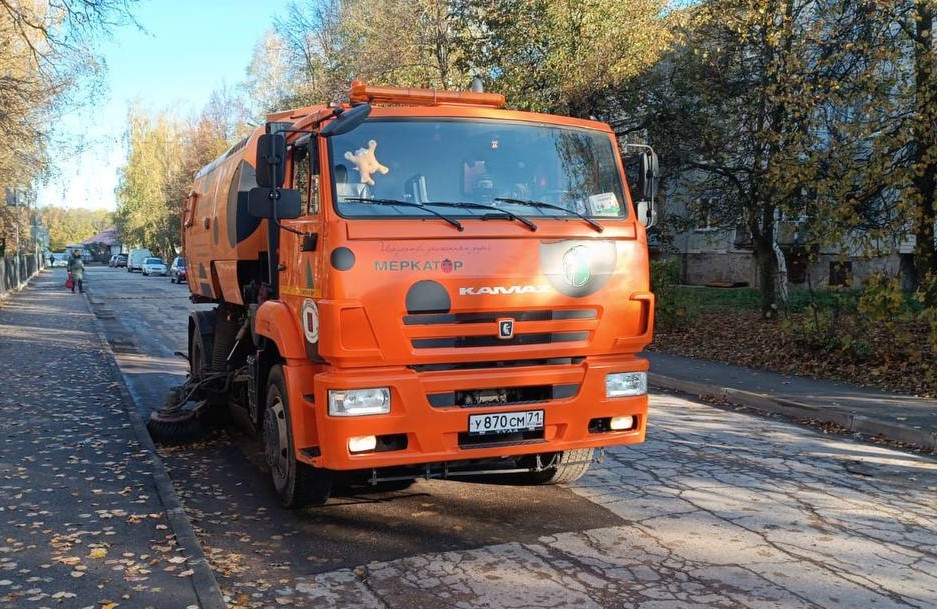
(420, 283)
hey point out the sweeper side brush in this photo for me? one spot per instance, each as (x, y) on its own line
(177, 422)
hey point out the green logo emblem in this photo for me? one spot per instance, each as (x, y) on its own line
(577, 266)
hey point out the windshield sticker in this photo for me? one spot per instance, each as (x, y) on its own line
(605, 204)
(446, 265)
(366, 162)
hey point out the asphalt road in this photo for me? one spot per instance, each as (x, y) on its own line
(717, 509)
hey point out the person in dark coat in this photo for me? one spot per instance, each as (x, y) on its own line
(76, 269)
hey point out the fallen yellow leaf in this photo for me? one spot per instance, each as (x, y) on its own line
(98, 553)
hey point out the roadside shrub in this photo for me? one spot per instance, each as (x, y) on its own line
(669, 313)
(882, 300)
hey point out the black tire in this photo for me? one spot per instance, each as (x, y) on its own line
(296, 483)
(569, 466)
(196, 356)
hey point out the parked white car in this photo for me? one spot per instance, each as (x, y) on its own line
(154, 266)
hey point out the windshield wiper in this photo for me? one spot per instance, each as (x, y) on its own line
(393, 202)
(469, 205)
(543, 205)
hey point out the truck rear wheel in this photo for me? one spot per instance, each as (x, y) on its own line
(196, 356)
(296, 483)
(568, 466)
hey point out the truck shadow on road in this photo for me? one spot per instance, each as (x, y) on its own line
(230, 500)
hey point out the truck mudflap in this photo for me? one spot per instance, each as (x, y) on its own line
(454, 416)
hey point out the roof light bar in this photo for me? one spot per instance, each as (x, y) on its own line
(361, 92)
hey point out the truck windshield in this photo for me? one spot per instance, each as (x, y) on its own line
(499, 164)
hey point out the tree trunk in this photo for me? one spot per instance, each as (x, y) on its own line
(767, 273)
(925, 152)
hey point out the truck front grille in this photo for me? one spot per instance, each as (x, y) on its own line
(498, 364)
(489, 317)
(501, 396)
(463, 342)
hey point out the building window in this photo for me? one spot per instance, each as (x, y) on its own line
(840, 274)
(796, 258)
(706, 210)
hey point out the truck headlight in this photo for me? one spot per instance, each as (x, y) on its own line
(358, 402)
(623, 384)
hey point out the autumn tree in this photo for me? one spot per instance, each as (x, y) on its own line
(48, 64)
(144, 200)
(748, 106)
(68, 226)
(164, 155)
(307, 46)
(903, 116)
(270, 75)
(324, 44)
(48, 60)
(563, 56)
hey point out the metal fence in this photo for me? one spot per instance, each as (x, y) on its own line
(15, 271)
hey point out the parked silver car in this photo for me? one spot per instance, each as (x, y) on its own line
(154, 266)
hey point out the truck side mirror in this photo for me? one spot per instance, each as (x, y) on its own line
(647, 187)
(647, 214)
(282, 203)
(647, 181)
(270, 164)
(346, 121)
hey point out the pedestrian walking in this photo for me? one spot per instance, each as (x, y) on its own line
(76, 270)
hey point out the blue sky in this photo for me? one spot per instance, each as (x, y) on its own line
(189, 48)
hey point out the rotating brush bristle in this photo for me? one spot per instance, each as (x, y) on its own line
(177, 428)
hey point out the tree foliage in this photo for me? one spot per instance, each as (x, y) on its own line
(319, 46)
(553, 55)
(906, 127)
(48, 65)
(564, 56)
(48, 62)
(773, 108)
(144, 209)
(164, 155)
(69, 226)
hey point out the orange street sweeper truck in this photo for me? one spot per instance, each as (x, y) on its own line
(419, 283)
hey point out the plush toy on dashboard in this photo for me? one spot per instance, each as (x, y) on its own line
(366, 163)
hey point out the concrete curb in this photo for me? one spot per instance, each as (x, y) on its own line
(203, 579)
(766, 403)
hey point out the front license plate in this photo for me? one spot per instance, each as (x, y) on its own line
(505, 422)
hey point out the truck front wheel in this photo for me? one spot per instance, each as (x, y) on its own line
(296, 483)
(566, 466)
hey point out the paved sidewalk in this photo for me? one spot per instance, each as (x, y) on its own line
(870, 411)
(83, 500)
